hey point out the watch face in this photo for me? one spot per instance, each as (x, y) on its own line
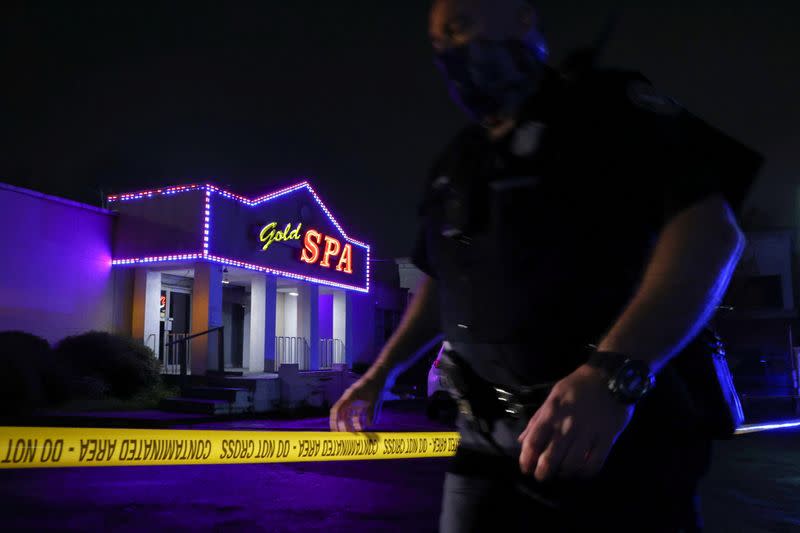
(633, 380)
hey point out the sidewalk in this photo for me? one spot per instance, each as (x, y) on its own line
(405, 416)
(148, 418)
(754, 483)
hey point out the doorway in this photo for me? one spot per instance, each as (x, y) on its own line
(235, 299)
(175, 323)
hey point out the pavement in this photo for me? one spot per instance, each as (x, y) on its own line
(155, 418)
(753, 486)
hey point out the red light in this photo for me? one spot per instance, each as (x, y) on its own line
(436, 363)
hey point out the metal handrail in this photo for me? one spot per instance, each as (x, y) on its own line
(185, 340)
(155, 342)
(193, 335)
(331, 352)
(172, 354)
(290, 350)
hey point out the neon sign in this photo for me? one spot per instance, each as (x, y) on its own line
(269, 234)
(311, 252)
(208, 250)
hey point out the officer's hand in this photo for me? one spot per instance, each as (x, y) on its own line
(359, 406)
(573, 431)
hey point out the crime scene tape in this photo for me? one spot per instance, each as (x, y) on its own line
(38, 447)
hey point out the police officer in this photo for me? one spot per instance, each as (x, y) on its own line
(575, 238)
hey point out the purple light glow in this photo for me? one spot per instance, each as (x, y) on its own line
(206, 222)
(206, 228)
(155, 259)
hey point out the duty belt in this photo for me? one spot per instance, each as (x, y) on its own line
(483, 402)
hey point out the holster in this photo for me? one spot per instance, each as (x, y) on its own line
(481, 402)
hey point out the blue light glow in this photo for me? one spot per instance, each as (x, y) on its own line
(754, 428)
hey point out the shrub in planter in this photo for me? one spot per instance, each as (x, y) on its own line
(126, 367)
(22, 355)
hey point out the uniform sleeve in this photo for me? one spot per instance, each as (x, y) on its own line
(429, 206)
(685, 159)
(420, 253)
(711, 162)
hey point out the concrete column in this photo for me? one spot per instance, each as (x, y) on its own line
(246, 334)
(206, 314)
(340, 318)
(291, 316)
(146, 304)
(270, 323)
(263, 292)
(280, 314)
(308, 320)
(349, 345)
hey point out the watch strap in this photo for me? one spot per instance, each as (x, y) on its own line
(612, 364)
(608, 361)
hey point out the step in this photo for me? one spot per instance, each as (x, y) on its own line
(196, 405)
(229, 394)
(174, 380)
(232, 372)
(243, 382)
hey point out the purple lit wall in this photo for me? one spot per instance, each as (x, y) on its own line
(159, 225)
(364, 345)
(326, 316)
(56, 268)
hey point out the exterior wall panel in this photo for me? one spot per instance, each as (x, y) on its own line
(56, 267)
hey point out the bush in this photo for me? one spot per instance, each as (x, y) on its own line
(22, 358)
(110, 364)
(95, 398)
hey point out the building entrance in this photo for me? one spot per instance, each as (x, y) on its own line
(174, 322)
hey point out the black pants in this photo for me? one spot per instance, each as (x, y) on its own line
(648, 484)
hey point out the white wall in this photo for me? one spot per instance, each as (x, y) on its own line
(258, 311)
(340, 315)
(290, 327)
(280, 314)
(55, 273)
(247, 338)
(145, 315)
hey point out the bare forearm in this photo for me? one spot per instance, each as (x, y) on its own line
(419, 324)
(685, 280)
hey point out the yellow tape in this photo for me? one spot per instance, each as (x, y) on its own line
(35, 447)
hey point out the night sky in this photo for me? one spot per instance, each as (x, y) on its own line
(116, 96)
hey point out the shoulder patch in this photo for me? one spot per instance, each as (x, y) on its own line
(645, 96)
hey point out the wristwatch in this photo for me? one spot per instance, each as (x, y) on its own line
(629, 380)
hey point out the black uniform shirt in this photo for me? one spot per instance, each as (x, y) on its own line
(539, 239)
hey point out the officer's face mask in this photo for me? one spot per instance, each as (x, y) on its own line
(490, 78)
